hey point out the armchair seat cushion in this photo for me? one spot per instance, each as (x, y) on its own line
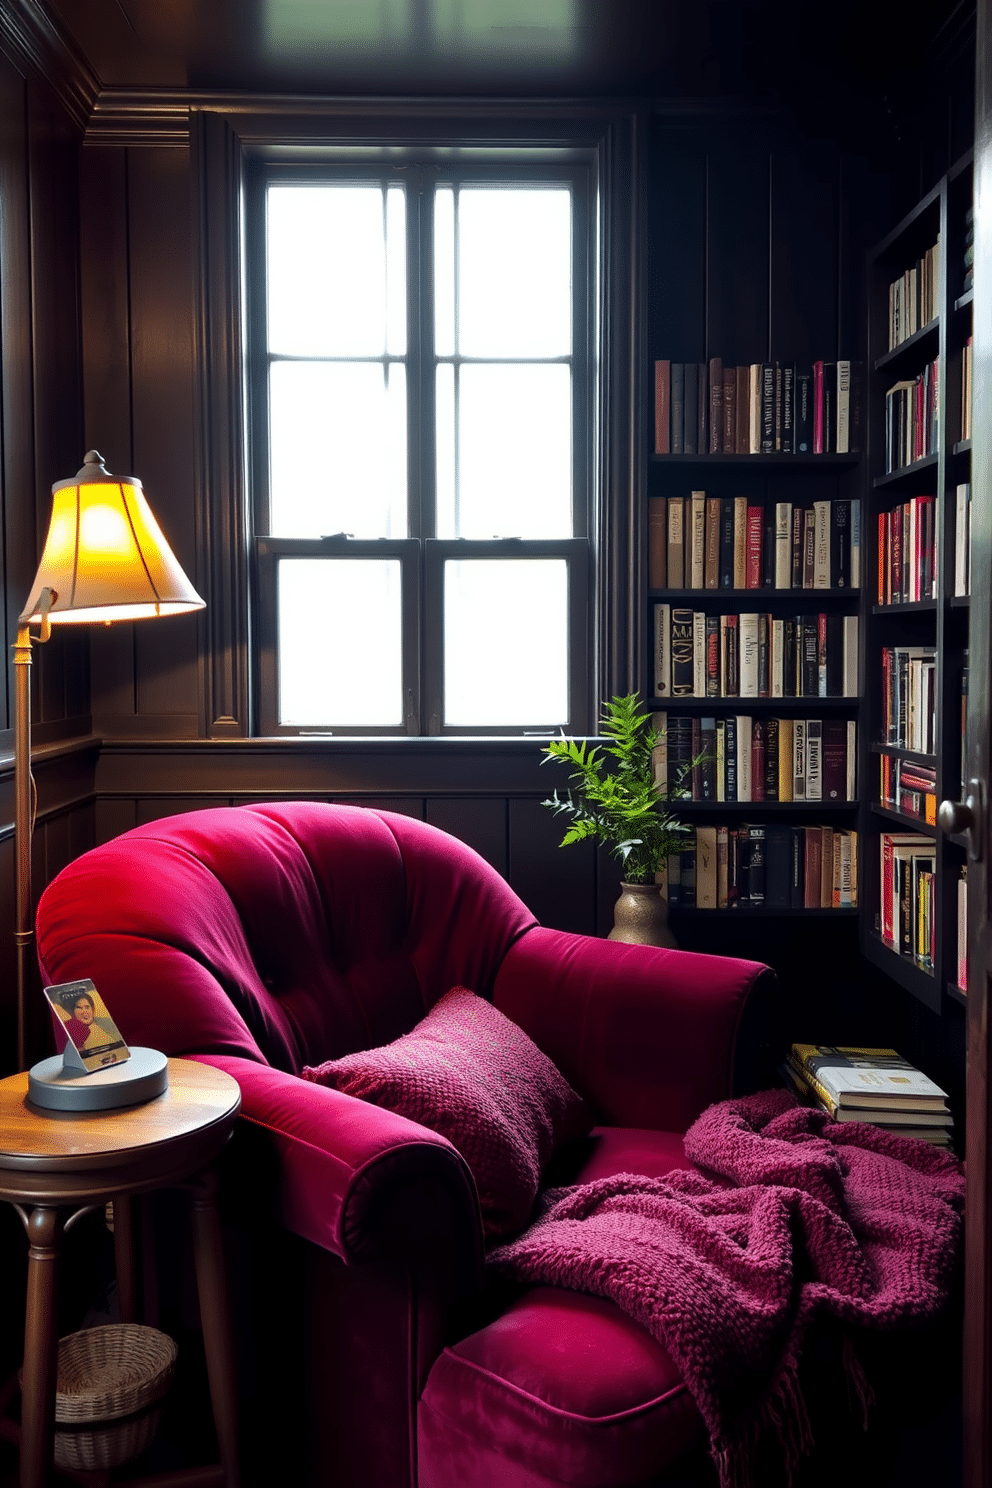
(562, 1387)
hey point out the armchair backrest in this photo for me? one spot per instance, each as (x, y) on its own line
(287, 933)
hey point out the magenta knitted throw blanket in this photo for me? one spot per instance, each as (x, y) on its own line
(818, 1219)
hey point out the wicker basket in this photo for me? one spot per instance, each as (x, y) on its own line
(108, 1383)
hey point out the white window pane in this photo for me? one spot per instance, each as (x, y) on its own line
(396, 271)
(327, 284)
(513, 453)
(444, 271)
(444, 413)
(340, 642)
(514, 273)
(505, 642)
(337, 449)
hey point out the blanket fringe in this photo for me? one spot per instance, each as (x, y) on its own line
(859, 1391)
(783, 1413)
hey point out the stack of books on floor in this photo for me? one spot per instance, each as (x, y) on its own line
(873, 1085)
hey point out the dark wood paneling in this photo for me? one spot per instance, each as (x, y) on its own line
(160, 280)
(16, 362)
(803, 271)
(558, 884)
(480, 823)
(114, 816)
(676, 225)
(737, 191)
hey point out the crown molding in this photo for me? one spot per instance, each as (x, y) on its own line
(145, 116)
(34, 40)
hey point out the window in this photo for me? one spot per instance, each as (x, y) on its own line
(421, 396)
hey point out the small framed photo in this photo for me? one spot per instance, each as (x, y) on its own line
(93, 1039)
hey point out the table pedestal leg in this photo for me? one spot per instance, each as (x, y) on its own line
(211, 1284)
(125, 1257)
(40, 1347)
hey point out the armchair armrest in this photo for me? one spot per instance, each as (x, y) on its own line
(647, 1036)
(351, 1177)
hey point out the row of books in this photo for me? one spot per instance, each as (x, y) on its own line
(876, 1086)
(911, 419)
(764, 408)
(968, 258)
(745, 757)
(913, 297)
(908, 551)
(962, 538)
(908, 787)
(754, 655)
(966, 376)
(764, 865)
(907, 922)
(909, 697)
(713, 542)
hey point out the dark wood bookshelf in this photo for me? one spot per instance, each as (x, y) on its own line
(790, 596)
(965, 301)
(774, 808)
(910, 754)
(906, 607)
(963, 447)
(957, 994)
(761, 911)
(959, 601)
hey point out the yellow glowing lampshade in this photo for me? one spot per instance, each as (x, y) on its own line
(105, 557)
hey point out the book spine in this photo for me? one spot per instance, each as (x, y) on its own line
(698, 654)
(804, 412)
(742, 439)
(755, 528)
(729, 410)
(730, 758)
(748, 655)
(814, 759)
(821, 553)
(740, 542)
(697, 540)
(799, 759)
(678, 407)
(716, 405)
(702, 407)
(711, 568)
(676, 542)
(690, 409)
(818, 445)
(789, 408)
(771, 759)
(662, 650)
(727, 543)
(657, 542)
(783, 540)
(840, 545)
(712, 655)
(843, 440)
(681, 653)
(662, 413)
(768, 408)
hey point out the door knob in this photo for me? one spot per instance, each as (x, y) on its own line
(964, 818)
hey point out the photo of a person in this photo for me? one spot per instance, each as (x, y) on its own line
(86, 1019)
(82, 1025)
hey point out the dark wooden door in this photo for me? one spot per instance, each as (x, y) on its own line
(975, 817)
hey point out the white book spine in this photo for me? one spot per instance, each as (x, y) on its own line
(662, 650)
(961, 539)
(855, 526)
(778, 658)
(754, 408)
(743, 756)
(850, 680)
(723, 656)
(721, 759)
(814, 759)
(821, 545)
(697, 540)
(799, 760)
(852, 760)
(843, 407)
(699, 653)
(749, 630)
(783, 545)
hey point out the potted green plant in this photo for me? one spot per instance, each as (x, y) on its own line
(613, 798)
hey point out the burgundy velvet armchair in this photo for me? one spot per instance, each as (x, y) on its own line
(265, 938)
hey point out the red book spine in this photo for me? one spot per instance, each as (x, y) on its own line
(882, 555)
(886, 895)
(662, 415)
(919, 423)
(755, 534)
(758, 760)
(896, 549)
(818, 408)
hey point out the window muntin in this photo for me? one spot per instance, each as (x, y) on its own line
(459, 412)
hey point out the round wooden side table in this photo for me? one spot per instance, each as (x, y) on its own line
(56, 1166)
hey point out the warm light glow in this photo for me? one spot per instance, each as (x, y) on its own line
(105, 557)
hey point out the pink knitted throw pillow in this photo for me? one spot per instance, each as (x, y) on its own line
(469, 1073)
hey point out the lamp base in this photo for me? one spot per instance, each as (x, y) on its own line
(139, 1079)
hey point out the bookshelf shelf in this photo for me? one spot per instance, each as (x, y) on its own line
(754, 911)
(765, 808)
(912, 350)
(911, 823)
(957, 994)
(909, 607)
(922, 984)
(906, 474)
(965, 301)
(963, 447)
(765, 462)
(910, 754)
(959, 601)
(753, 704)
(748, 599)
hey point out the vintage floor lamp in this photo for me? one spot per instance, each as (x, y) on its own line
(105, 559)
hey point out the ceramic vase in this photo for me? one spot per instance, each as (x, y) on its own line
(641, 916)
